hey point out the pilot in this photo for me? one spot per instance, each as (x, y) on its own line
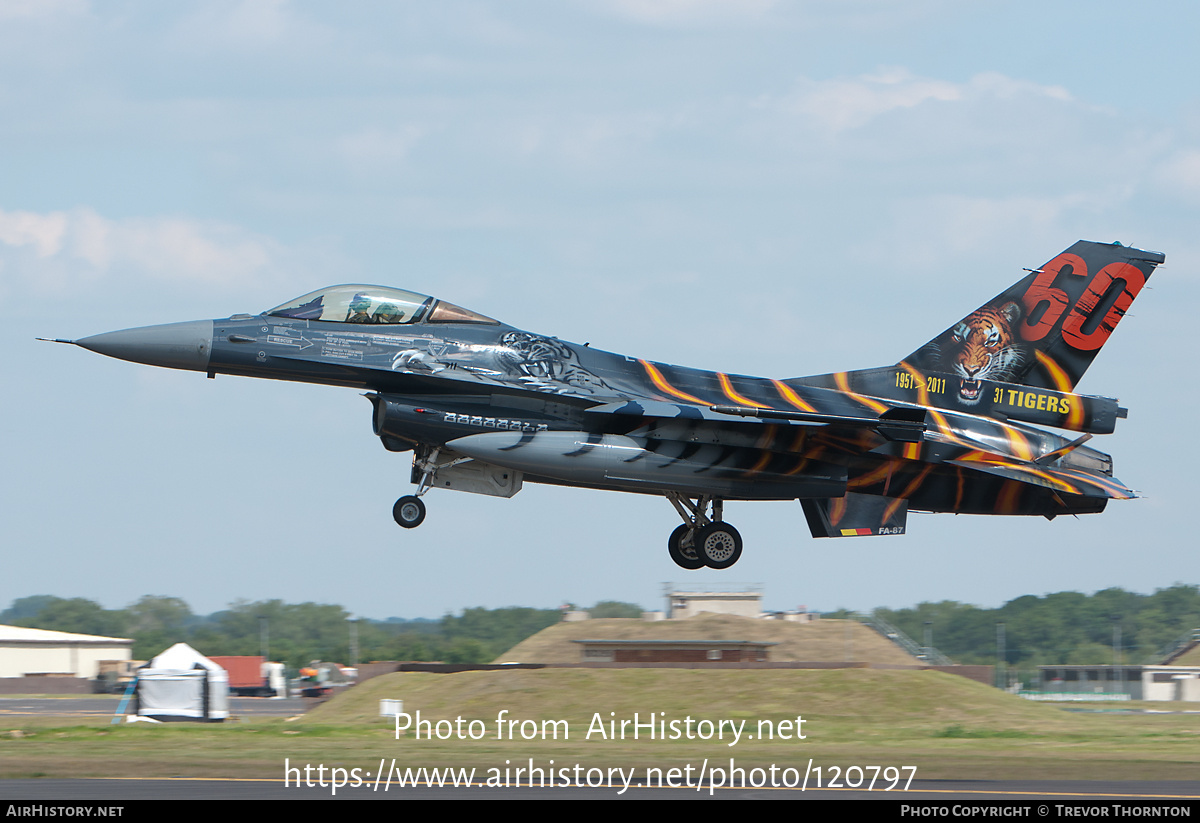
(359, 308)
(388, 313)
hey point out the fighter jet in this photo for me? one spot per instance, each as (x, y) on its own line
(484, 407)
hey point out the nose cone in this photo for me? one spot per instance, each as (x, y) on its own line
(173, 346)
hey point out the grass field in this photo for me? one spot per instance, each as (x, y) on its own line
(946, 726)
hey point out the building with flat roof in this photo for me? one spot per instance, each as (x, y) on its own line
(43, 653)
(1138, 682)
(688, 601)
(739, 599)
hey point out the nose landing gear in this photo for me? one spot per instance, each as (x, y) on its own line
(409, 511)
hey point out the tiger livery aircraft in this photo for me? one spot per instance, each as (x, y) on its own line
(484, 407)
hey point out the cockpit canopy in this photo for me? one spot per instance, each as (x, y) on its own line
(375, 305)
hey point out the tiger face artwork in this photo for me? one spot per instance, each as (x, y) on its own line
(982, 346)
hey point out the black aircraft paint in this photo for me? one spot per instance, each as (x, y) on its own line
(484, 407)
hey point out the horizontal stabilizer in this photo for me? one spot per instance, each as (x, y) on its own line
(1085, 484)
(855, 515)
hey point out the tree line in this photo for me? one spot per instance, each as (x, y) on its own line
(1110, 626)
(1061, 628)
(294, 633)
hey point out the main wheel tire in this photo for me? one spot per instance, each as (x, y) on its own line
(409, 511)
(682, 550)
(718, 545)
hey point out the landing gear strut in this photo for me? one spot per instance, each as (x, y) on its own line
(703, 539)
(409, 510)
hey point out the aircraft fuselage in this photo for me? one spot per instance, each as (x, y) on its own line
(484, 406)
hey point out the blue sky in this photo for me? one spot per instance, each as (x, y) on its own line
(760, 187)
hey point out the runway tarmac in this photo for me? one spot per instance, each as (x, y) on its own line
(106, 705)
(1048, 793)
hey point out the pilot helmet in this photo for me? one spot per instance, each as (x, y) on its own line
(388, 313)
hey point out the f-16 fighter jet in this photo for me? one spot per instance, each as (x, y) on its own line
(483, 407)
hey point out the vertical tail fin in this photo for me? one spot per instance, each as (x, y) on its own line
(1045, 330)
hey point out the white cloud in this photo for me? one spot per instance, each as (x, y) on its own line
(689, 12)
(44, 232)
(31, 9)
(70, 247)
(847, 103)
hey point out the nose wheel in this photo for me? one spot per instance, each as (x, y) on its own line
(703, 539)
(409, 511)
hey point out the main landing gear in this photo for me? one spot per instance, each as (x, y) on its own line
(702, 540)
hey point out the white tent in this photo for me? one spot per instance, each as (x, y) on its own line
(182, 684)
